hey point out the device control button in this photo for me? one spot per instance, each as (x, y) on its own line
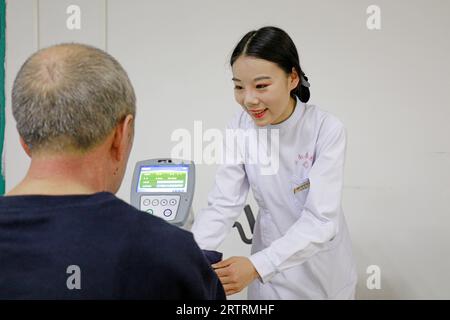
(167, 212)
(146, 202)
(172, 202)
(155, 202)
(150, 211)
(164, 202)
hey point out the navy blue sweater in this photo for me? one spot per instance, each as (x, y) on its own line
(120, 252)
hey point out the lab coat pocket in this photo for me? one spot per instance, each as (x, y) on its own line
(300, 190)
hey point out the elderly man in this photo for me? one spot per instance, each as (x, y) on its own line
(63, 233)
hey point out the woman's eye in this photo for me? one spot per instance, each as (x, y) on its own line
(237, 87)
(261, 86)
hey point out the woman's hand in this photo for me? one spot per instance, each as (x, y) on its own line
(235, 273)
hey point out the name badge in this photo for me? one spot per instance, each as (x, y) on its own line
(303, 186)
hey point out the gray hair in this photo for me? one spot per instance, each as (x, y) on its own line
(69, 97)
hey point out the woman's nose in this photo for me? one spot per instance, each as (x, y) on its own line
(250, 98)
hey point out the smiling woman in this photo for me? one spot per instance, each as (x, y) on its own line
(301, 248)
(2, 90)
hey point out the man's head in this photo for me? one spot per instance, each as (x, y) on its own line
(70, 99)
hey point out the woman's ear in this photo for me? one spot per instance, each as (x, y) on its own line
(25, 147)
(294, 79)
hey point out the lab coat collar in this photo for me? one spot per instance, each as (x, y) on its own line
(293, 118)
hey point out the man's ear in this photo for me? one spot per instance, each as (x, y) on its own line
(294, 79)
(123, 138)
(25, 147)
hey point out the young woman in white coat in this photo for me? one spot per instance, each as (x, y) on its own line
(301, 246)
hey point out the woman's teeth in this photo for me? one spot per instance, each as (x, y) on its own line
(259, 114)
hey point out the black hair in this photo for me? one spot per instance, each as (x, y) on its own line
(273, 44)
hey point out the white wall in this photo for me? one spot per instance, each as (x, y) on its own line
(389, 87)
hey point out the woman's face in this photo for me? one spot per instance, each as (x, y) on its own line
(263, 89)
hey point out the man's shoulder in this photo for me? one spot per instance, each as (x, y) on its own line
(147, 225)
(100, 208)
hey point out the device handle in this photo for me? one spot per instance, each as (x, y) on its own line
(251, 222)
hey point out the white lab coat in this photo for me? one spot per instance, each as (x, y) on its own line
(301, 246)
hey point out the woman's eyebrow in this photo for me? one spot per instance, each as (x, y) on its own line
(256, 79)
(262, 78)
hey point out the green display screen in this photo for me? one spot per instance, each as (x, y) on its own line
(163, 179)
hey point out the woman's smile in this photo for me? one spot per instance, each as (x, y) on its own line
(258, 114)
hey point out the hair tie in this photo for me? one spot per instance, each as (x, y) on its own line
(304, 81)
